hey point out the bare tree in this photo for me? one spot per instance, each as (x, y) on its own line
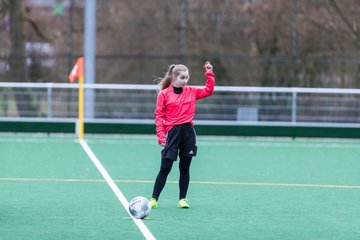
(17, 55)
(250, 42)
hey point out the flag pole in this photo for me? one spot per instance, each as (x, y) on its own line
(78, 72)
(81, 98)
(81, 107)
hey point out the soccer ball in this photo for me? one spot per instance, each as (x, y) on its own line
(139, 207)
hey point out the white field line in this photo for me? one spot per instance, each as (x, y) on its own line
(192, 182)
(206, 141)
(140, 224)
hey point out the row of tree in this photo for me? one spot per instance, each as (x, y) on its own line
(312, 43)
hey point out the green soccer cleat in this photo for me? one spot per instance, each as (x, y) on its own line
(183, 203)
(153, 203)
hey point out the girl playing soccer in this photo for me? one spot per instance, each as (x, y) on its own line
(174, 113)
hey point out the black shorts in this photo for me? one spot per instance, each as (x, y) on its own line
(180, 140)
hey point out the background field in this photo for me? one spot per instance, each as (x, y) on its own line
(241, 188)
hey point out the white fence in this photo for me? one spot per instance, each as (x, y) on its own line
(136, 103)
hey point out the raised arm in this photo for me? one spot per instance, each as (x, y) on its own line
(210, 82)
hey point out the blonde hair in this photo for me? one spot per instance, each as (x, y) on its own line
(173, 71)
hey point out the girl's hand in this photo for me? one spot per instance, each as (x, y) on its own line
(162, 144)
(208, 67)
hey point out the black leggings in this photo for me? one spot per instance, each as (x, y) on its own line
(184, 179)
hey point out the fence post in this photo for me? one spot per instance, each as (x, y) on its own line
(293, 106)
(49, 101)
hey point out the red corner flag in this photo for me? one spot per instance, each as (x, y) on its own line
(78, 70)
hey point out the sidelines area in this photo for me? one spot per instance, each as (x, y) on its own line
(256, 188)
(144, 230)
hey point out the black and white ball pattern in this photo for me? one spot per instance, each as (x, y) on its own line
(139, 207)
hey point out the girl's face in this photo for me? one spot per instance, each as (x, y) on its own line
(181, 79)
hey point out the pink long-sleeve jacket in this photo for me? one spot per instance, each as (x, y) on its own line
(174, 109)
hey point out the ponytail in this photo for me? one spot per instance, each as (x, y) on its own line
(166, 80)
(173, 70)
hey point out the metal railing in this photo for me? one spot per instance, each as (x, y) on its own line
(134, 103)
